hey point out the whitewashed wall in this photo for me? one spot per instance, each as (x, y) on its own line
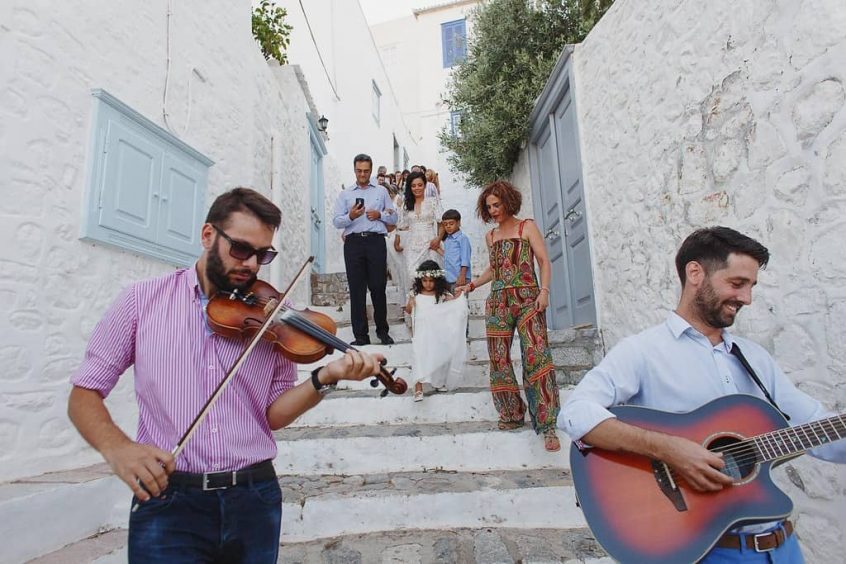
(700, 113)
(412, 52)
(340, 61)
(54, 287)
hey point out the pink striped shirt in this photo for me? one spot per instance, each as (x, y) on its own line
(159, 326)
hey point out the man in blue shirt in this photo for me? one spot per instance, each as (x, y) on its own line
(685, 362)
(364, 211)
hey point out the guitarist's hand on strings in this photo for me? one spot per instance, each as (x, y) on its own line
(698, 466)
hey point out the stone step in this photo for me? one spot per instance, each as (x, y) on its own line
(342, 409)
(484, 545)
(476, 446)
(44, 513)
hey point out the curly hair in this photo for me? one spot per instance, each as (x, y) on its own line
(441, 285)
(508, 195)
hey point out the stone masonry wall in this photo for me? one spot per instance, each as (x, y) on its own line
(699, 113)
(54, 287)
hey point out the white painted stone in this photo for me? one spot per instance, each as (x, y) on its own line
(816, 110)
(531, 508)
(49, 516)
(834, 179)
(464, 452)
(402, 410)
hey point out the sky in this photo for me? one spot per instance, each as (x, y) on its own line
(377, 11)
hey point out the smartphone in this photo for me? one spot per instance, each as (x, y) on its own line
(359, 202)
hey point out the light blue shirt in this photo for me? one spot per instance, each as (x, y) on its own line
(375, 198)
(673, 367)
(456, 255)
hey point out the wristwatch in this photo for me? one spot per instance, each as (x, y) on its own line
(319, 387)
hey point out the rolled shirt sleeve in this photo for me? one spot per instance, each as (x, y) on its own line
(341, 215)
(111, 349)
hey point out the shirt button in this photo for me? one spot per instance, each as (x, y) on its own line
(211, 367)
(214, 430)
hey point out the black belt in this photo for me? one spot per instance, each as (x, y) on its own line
(258, 472)
(365, 234)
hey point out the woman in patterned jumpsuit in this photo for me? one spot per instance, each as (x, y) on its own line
(517, 302)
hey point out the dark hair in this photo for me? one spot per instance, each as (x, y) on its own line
(441, 284)
(451, 214)
(510, 197)
(244, 200)
(712, 246)
(409, 195)
(363, 158)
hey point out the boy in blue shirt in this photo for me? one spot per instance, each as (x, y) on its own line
(456, 250)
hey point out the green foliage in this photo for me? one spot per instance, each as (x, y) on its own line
(514, 47)
(271, 31)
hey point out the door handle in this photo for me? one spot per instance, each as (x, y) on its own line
(572, 215)
(550, 233)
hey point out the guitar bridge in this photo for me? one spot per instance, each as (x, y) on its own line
(668, 485)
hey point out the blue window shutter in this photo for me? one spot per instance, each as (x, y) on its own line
(146, 188)
(453, 42)
(130, 181)
(182, 191)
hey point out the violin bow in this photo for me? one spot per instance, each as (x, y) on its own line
(238, 362)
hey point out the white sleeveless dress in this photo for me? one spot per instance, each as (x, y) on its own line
(439, 344)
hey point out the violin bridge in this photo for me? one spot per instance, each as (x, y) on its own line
(271, 305)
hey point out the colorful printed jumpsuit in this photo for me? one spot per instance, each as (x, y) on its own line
(510, 305)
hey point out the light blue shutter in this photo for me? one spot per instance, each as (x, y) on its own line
(180, 196)
(130, 181)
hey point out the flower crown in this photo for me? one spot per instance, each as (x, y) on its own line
(429, 274)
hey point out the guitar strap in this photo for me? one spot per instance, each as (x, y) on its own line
(735, 350)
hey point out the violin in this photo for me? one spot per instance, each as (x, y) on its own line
(302, 336)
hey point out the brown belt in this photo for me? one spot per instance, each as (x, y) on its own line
(762, 542)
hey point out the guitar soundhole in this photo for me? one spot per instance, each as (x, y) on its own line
(738, 455)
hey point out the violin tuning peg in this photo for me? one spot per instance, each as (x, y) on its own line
(394, 371)
(374, 383)
(383, 362)
(384, 393)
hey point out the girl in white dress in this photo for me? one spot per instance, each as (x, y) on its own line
(418, 229)
(438, 324)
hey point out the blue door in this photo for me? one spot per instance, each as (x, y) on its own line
(318, 233)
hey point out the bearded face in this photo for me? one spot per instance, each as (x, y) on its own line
(221, 276)
(712, 309)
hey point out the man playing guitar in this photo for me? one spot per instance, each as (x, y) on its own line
(684, 363)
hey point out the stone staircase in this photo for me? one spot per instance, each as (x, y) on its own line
(370, 479)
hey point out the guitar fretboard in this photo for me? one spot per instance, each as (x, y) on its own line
(789, 441)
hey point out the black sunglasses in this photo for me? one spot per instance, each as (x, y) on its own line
(242, 251)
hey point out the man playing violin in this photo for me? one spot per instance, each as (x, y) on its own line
(219, 500)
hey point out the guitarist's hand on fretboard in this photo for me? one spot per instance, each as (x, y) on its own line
(698, 466)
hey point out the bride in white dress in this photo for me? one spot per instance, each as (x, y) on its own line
(418, 226)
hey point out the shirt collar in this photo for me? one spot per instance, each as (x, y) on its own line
(193, 281)
(357, 187)
(678, 326)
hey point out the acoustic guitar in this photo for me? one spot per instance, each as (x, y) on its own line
(640, 511)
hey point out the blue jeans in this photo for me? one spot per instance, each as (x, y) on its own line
(187, 524)
(788, 553)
